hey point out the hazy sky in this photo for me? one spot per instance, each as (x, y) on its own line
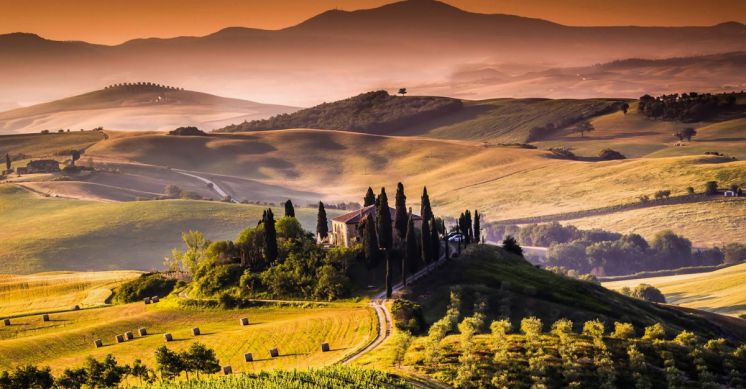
(115, 21)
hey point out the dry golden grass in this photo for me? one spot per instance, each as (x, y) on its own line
(298, 332)
(722, 291)
(44, 292)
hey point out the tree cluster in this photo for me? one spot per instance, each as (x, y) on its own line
(686, 107)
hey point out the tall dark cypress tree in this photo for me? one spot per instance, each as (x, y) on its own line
(467, 225)
(370, 198)
(412, 253)
(322, 226)
(289, 209)
(477, 227)
(426, 210)
(402, 218)
(425, 246)
(385, 236)
(270, 237)
(435, 241)
(370, 244)
(7, 161)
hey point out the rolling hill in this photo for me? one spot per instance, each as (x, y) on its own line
(136, 107)
(345, 52)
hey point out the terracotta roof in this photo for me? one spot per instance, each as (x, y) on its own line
(356, 217)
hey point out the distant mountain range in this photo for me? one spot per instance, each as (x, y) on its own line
(340, 53)
(143, 106)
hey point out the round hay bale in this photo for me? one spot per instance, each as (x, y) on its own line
(143, 331)
(227, 370)
(168, 337)
(248, 357)
(155, 299)
(129, 335)
(99, 343)
(244, 321)
(195, 331)
(325, 347)
(120, 338)
(146, 300)
(6, 322)
(45, 317)
(274, 353)
(76, 308)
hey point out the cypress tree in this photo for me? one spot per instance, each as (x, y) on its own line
(322, 226)
(270, 237)
(370, 198)
(412, 257)
(402, 218)
(477, 227)
(7, 161)
(467, 227)
(435, 241)
(426, 246)
(425, 210)
(370, 244)
(385, 236)
(448, 246)
(289, 209)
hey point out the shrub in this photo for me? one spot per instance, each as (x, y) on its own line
(649, 293)
(562, 152)
(219, 278)
(623, 331)
(147, 285)
(711, 188)
(734, 253)
(656, 331)
(408, 316)
(187, 131)
(610, 155)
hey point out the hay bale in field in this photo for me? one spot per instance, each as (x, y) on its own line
(168, 337)
(155, 299)
(120, 338)
(146, 300)
(227, 370)
(99, 343)
(244, 321)
(325, 347)
(248, 357)
(274, 353)
(45, 317)
(195, 331)
(6, 322)
(143, 331)
(129, 335)
(76, 308)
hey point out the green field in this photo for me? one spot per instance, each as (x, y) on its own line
(297, 331)
(61, 234)
(722, 291)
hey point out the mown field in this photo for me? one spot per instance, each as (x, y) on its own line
(722, 291)
(45, 292)
(61, 234)
(297, 331)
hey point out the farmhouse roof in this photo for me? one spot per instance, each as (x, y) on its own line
(355, 217)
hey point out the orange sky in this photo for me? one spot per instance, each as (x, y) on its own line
(115, 21)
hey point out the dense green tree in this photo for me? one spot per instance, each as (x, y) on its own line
(477, 227)
(199, 359)
(426, 246)
(270, 236)
(385, 236)
(27, 376)
(322, 225)
(673, 250)
(7, 161)
(371, 249)
(401, 218)
(142, 372)
(169, 363)
(370, 198)
(711, 188)
(74, 156)
(411, 259)
(511, 246)
(469, 232)
(71, 378)
(105, 374)
(426, 210)
(289, 209)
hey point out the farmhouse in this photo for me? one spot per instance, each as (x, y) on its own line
(40, 166)
(346, 228)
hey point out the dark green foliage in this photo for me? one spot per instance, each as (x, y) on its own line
(734, 253)
(686, 107)
(408, 316)
(711, 188)
(477, 227)
(72, 378)
(402, 217)
(289, 209)
(425, 245)
(426, 210)
(610, 155)
(322, 225)
(672, 250)
(187, 131)
(250, 244)
(7, 161)
(199, 359)
(371, 112)
(104, 374)
(383, 221)
(511, 246)
(686, 133)
(74, 156)
(218, 278)
(147, 285)
(645, 292)
(434, 241)
(370, 244)
(370, 197)
(27, 376)
(270, 236)
(411, 258)
(169, 363)
(562, 153)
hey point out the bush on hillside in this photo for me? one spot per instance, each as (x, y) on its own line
(610, 155)
(147, 285)
(734, 253)
(562, 153)
(187, 131)
(408, 316)
(645, 292)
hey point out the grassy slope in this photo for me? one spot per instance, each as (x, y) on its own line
(722, 291)
(508, 281)
(298, 332)
(23, 294)
(37, 145)
(47, 233)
